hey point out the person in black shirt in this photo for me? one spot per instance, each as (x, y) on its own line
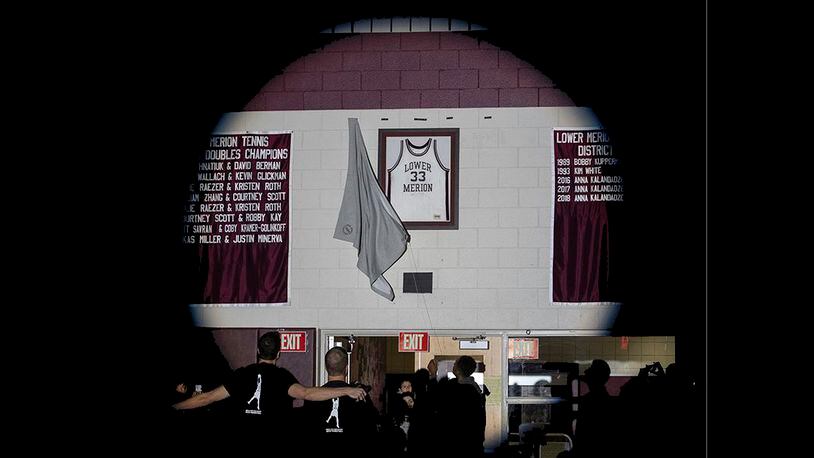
(419, 441)
(400, 410)
(340, 426)
(594, 434)
(461, 412)
(263, 392)
(403, 406)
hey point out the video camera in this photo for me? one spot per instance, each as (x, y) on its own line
(651, 369)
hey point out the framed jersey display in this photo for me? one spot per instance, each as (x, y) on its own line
(418, 172)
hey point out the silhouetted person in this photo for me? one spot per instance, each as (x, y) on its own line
(647, 411)
(194, 371)
(595, 434)
(404, 406)
(400, 418)
(461, 412)
(679, 400)
(421, 379)
(422, 418)
(340, 427)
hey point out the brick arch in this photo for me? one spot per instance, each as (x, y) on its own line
(408, 70)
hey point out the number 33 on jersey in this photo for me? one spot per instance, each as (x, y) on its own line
(418, 183)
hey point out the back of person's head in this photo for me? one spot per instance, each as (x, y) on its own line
(467, 365)
(598, 372)
(336, 361)
(268, 346)
(421, 377)
(422, 374)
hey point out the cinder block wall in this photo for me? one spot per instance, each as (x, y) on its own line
(491, 273)
(408, 70)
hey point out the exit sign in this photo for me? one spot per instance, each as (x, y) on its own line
(293, 341)
(414, 341)
(525, 348)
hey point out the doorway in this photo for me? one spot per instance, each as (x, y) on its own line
(375, 361)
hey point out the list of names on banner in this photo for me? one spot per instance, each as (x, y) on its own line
(241, 191)
(586, 170)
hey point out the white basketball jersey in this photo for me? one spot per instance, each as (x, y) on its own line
(417, 185)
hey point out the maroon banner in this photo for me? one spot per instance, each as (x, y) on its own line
(588, 185)
(237, 218)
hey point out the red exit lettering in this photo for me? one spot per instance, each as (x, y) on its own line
(414, 341)
(292, 341)
(525, 348)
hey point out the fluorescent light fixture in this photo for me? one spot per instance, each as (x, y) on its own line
(528, 380)
(473, 344)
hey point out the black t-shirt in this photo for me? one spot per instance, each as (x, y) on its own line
(462, 414)
(261, 391)
(340, 424)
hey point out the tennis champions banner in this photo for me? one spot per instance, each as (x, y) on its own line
(589, 190)
(236, 219)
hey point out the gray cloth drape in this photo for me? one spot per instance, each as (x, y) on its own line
(367, 219)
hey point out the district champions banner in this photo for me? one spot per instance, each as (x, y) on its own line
(588, 190)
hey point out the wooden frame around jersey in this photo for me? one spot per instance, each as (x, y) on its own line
(418, 172)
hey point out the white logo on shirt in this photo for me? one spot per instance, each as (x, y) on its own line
(257, 391)
(334, 412)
